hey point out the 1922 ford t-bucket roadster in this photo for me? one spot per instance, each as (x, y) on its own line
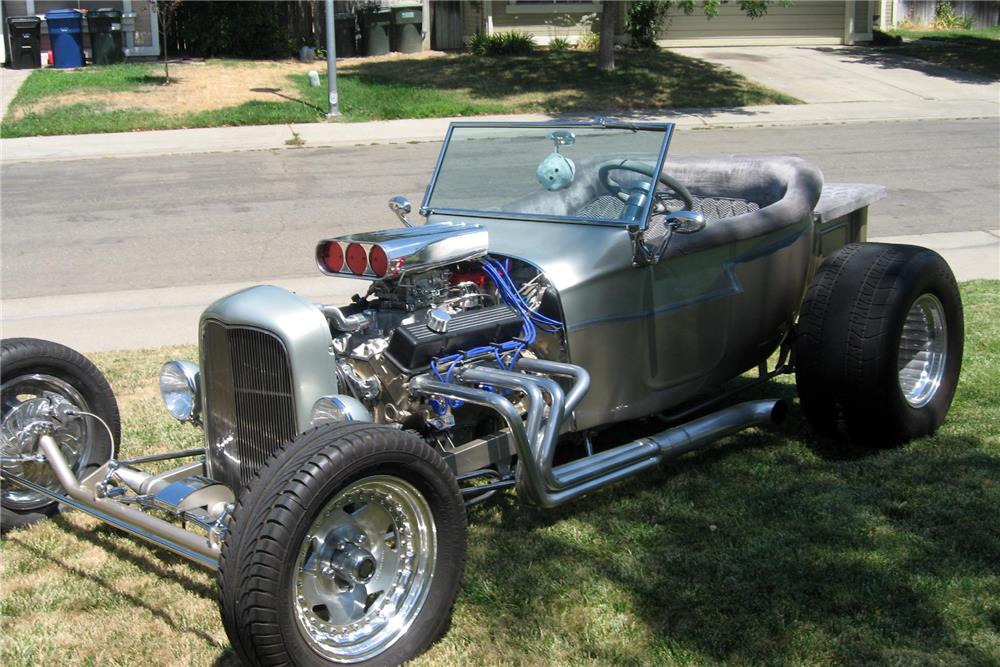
(567, 280)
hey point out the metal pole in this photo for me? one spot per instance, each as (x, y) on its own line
(331, 62)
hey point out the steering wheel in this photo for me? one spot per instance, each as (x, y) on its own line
(648, 170)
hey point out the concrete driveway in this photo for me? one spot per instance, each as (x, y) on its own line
(10, 81)
(848, 74)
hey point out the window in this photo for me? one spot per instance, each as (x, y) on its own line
(552, 6)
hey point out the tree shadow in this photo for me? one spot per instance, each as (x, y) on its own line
(570, 81)
(907, 57)
(758, 551)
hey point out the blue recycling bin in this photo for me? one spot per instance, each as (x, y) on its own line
(66, 35)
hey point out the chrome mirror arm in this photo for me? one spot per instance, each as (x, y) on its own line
(401, 207)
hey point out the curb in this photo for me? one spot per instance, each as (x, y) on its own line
(334, 134)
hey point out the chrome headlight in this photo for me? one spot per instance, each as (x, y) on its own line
(340, 408)
(180, 386)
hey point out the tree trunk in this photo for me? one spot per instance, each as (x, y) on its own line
(606, 50)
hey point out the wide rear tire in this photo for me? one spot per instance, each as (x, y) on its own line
(878, 346)
(348, 546)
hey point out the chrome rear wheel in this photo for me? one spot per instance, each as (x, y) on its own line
(923, 350)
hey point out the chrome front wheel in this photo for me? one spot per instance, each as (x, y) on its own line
(348, 548)
(365, 568)
(33, 405)
(44, 390)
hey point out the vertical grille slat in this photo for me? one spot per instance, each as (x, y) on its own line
(250, 407)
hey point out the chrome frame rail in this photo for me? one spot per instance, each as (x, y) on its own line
(150, 528)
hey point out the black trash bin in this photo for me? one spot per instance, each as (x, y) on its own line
(105, 26)
(344, 30)
(23, 42)
(375, 24)
(406, 28)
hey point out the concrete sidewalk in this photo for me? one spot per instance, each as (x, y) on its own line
(136, 319)
(332, 134)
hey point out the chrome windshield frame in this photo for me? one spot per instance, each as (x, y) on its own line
(608, 123)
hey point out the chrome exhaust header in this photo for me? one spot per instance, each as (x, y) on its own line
(535, 434)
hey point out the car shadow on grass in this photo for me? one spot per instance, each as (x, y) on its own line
(761, 549)
(156, 567)
(160, 562)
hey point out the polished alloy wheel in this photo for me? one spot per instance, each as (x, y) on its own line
(923, 349)
(365, 568)
(33, 405)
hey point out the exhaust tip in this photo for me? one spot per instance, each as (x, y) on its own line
(779, 411)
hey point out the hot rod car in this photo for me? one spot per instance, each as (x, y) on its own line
(573, 311)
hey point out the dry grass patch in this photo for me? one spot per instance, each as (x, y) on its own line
(198, 86)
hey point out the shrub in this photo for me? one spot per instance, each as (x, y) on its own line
(644, 21)
(589, 41)
(945, 18)
(513, 43)
(560, 44)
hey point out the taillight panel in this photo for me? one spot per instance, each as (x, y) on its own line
(393, 253)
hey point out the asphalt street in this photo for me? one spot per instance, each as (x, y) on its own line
(136, 223)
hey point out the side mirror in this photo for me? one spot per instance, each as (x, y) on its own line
(678, 222)
(685, 222)
(401, 207)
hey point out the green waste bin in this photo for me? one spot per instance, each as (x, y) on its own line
(23, 40)
(375, 25)
(344, 29)
(105, 26)
(407, 22)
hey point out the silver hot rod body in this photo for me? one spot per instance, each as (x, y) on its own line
(568, 278)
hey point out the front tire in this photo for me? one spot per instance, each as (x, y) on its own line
(37, 377)
(348, 547)
(879, 342)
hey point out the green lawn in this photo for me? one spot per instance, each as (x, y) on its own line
(774, 547)
(455, 85)
(976, 51)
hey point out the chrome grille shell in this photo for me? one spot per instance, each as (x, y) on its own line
(249, 390)
(266, 358)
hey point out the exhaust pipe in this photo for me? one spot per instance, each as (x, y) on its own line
(150, 528)
(535, 436)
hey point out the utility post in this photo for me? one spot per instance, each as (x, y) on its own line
(331, 63)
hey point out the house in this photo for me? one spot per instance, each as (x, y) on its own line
(805, 22)
(139, 25)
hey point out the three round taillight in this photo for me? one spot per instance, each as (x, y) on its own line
(357, 259)
(378, 261)
(331, 256)
(337, 257)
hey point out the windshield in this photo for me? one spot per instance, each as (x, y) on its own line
(570, 172)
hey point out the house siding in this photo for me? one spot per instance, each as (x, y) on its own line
(816, 22)
(802, 23)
